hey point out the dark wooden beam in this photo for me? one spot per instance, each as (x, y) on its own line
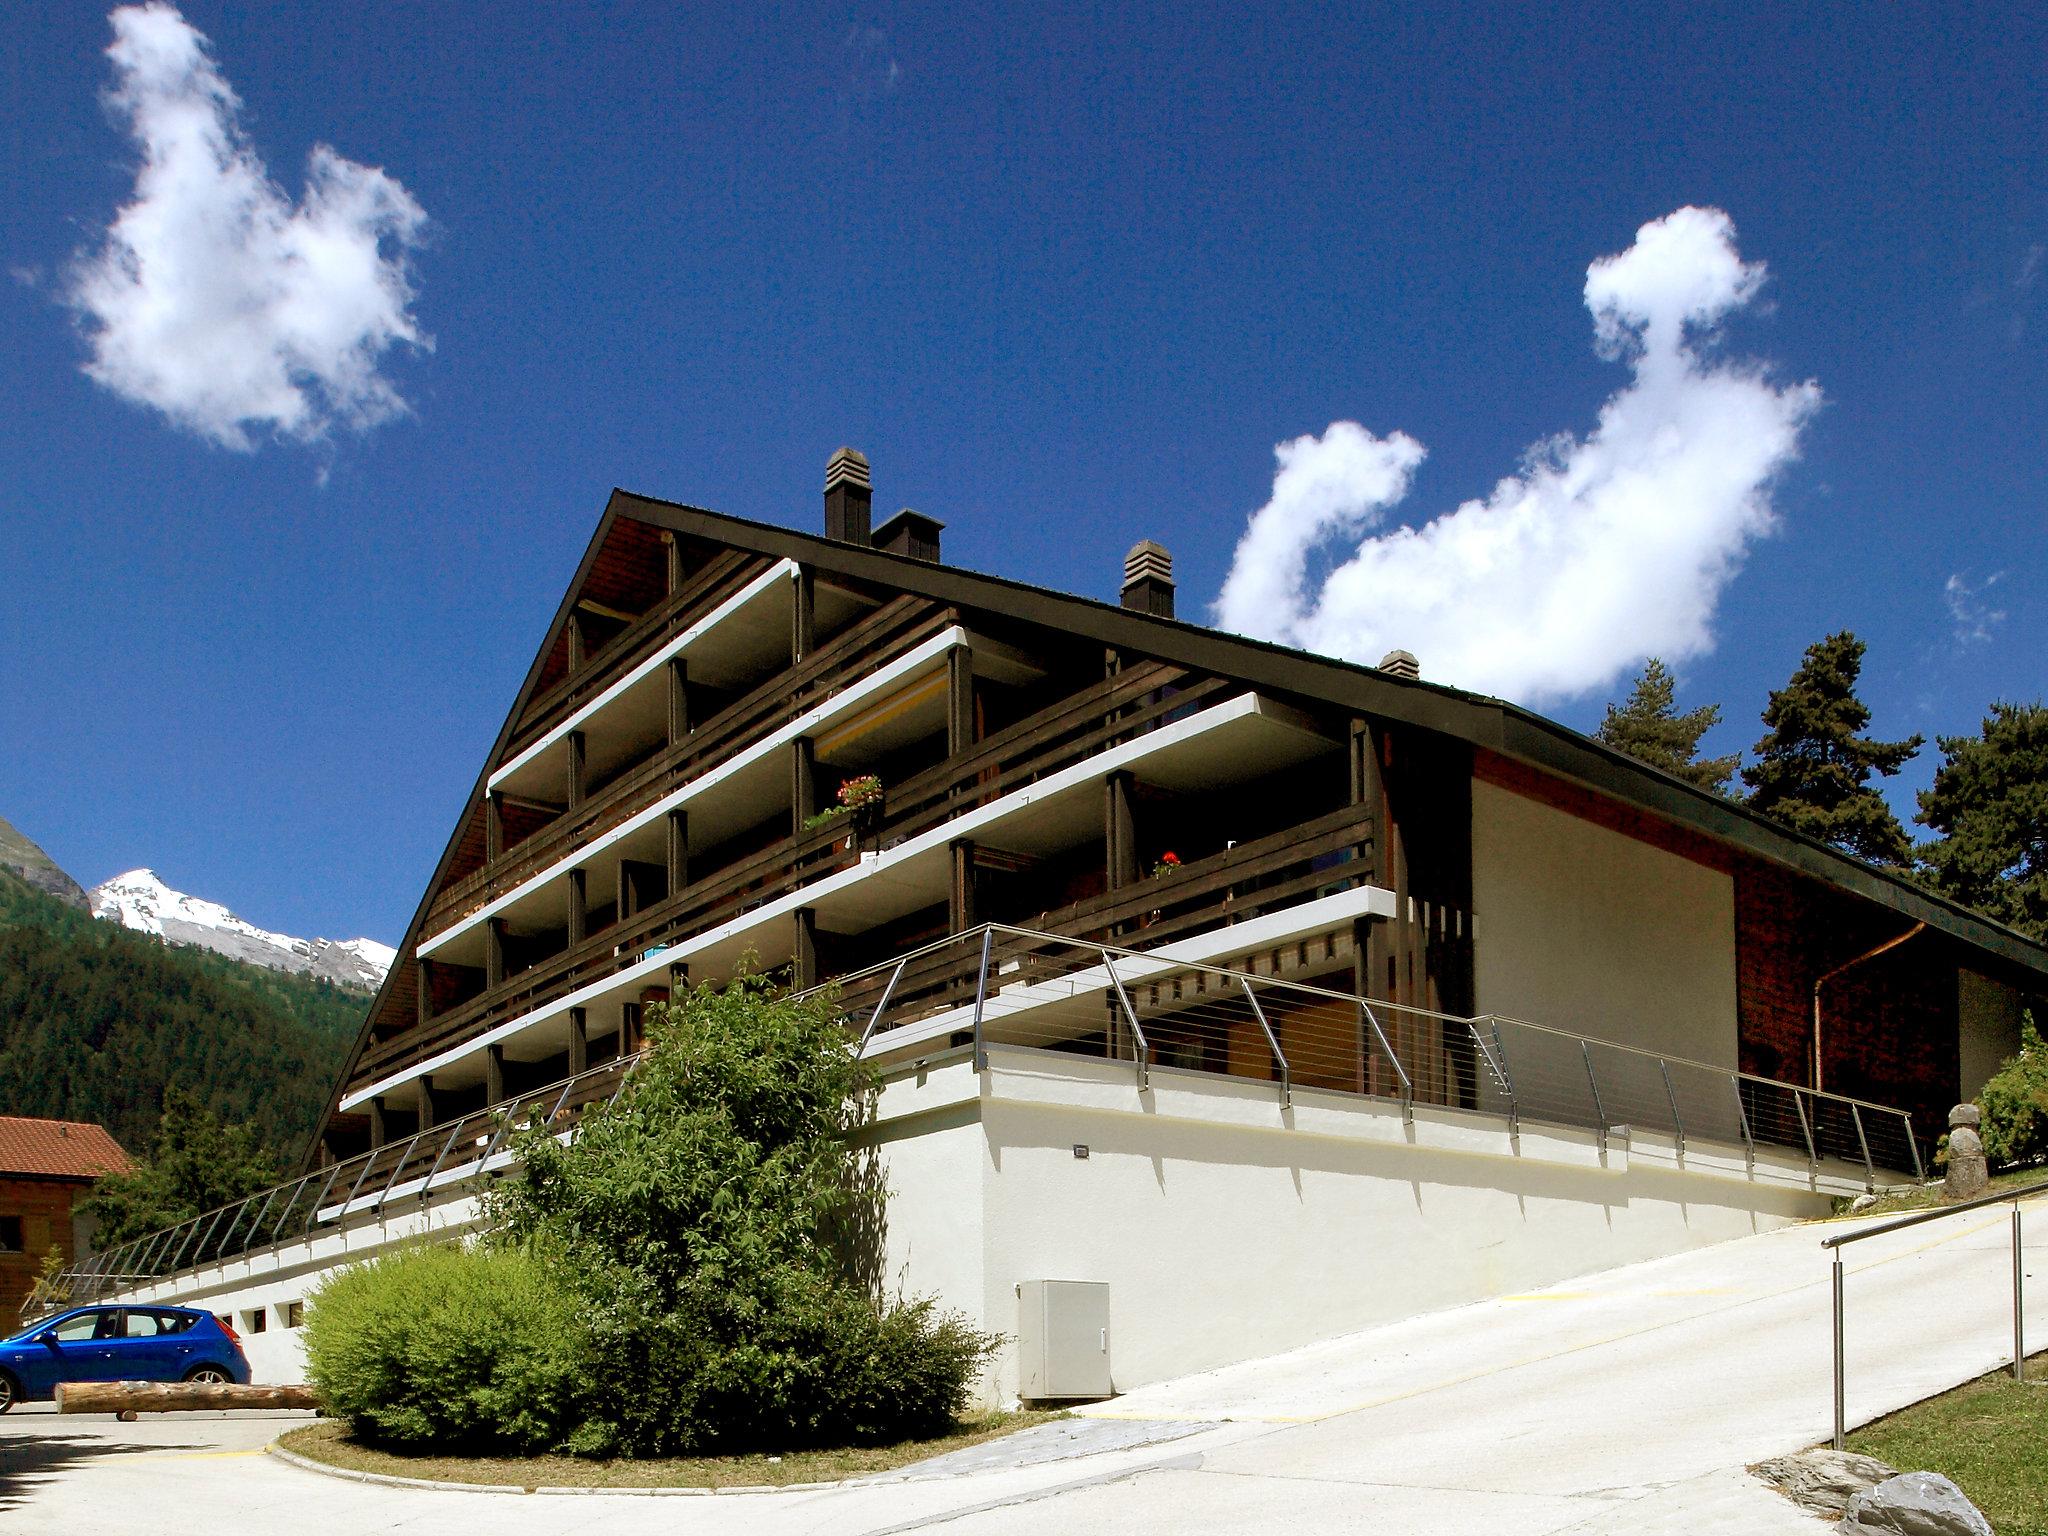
(578, 650)
(578, 899)
(803, 628)
(803, 782)
(494, 951)
(378, 1134)
(673, 548)
(1120, 832)
(678, 700)
(579, 1041)
(426, 1101)
(494, 826)
(804, 958)
(959, 700)
(494, 1074)
(578, 771)
(423, 1000)
(678, 851)
(960, 903)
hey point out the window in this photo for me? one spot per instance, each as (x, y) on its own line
(175, 1322)
(258, 1319)
(144, 1325)
(75, 1330)
(294, 1313)
(10, 1234)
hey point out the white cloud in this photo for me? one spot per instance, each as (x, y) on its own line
(1598, 552)
(213, 296)
(1969, 607)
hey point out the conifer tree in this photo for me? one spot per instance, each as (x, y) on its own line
(1650, 729)
(1812, 771)
(1989, 802)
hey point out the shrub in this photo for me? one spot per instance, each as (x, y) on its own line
(447, 1346)
(718, 1226)
(2015, 1104)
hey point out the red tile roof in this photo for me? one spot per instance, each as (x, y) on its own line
(58, 1149)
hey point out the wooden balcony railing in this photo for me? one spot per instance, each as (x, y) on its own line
(705, 588)
(1137, 700)
(896, 627)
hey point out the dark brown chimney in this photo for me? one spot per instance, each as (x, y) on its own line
(849, 497)
(1148, 579)
(1401, 664)
(910, 533)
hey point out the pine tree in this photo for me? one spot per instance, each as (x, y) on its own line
(1989, 802)
(1649, 729)
(1812, 770)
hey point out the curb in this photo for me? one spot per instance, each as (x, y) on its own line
(389, 1480)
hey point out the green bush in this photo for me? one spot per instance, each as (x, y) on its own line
(720, 1230)
(449, 1347)
(2015, 1104)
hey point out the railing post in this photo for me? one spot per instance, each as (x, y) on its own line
(1671, 1098)
(261, 1212)
(1401, 1072)
(396, 1169)
(369, 1158)
(313, 1210)
(1841, 1361)
(1142, 1045)
(1913, 1145)
(447, 1146)
(1869, 1168)
(2019, 1315)
(1499, 1067)
(1742, 1119)
(887, 992)
(1592, 1082)
(988, 936)
(1806, 1129)
(1286, 1077)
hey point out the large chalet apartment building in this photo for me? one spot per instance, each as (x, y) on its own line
(1254, 995)
(651, 810)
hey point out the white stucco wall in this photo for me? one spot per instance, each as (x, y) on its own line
(1584, 929)
(1987, 1028)
(1225, 1225)
(1228, 1228)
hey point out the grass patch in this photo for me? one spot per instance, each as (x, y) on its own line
(330, 1442)
(1925, 1197)
(1989, 1437)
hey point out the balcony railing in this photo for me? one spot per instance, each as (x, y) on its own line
(896, 627)
(1058, 997)
(1134, 702)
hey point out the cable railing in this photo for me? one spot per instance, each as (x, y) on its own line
(1244, 1016)
(2019, 1284)
(1008, 987)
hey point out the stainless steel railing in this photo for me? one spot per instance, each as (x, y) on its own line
(1009, 986)
(2019, 1281)
(1006, 985)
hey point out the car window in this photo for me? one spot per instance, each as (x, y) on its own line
(75, 1329)
(174, 1322)
(108, 1326)
(144, 1325)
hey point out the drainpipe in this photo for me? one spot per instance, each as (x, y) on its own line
(1827, 976)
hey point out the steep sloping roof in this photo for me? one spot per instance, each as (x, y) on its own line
(1485, 722)
(58, 1149)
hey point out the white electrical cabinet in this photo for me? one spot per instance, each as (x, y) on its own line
(1063, 1339)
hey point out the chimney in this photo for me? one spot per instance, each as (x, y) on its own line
(910, 533)
(1148, 579)
(1401, 664)
(849, 497)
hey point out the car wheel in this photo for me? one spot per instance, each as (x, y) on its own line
(10, 1394)
(207, 1376)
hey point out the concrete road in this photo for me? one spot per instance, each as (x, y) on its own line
(1628, 1402)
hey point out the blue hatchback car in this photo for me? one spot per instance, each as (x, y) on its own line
(118, 1344)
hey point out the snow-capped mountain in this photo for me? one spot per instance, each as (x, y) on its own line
(141, 901)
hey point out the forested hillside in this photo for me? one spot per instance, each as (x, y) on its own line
(96, 1021)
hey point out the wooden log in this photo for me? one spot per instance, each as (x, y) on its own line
(127, 1398)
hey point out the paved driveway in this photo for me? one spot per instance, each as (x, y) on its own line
(1628, 1402)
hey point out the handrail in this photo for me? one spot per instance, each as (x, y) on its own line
(1838, 1285)
(1917, 1218)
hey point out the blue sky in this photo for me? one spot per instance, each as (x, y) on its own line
(1067, 277)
